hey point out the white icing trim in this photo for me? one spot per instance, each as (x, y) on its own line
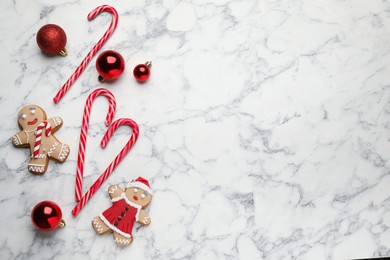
(36, 168)
(33, 164)
(140, 185)
(114, 228)
(28, 138)
(122, 241)
(123, 196)
(99, 228)
(63, 152)
(146, 220)
(113, 189)
(39, 156)
(56, 120)
(52, 149)
(17, 140)
(117, 198)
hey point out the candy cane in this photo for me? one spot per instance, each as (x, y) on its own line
(96, 48)
(84, 132)
(38, 136)
(96, 185)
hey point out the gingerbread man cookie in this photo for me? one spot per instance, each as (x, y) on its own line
(37, 133)
(127, 208)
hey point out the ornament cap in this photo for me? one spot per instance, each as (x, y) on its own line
(63, 52)
(149, 64)
(101, 79)
(62, 224)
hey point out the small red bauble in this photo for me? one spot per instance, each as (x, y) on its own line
(51, 40)
(47, 215)
(142, 71)
(110, 65)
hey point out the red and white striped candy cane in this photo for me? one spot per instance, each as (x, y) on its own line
(96, 185)
(95, 49)
(38, 136)
(84, 132)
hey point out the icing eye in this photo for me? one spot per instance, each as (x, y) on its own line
(23, 116)
(143, 196)
(32, 111)
(135, 190)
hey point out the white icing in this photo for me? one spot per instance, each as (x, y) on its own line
(113, 189)
(99, 228)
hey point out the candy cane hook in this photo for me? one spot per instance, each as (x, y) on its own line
(95, 49)
(114, 163)
(84, 132)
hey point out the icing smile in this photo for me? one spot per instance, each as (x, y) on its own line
(135, 197)
(33, 122)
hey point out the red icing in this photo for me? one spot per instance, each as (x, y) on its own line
(135, 197)
(121, 215)
(33, 122)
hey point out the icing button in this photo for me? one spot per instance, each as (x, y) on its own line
(119, 218)
(127, 208)
(115, 224)
(123, 214)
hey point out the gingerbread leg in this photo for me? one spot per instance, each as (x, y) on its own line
(99, 226)
(121, 240)
(58, 151)
(38, 165)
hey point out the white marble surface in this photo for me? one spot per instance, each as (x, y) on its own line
(264, 128)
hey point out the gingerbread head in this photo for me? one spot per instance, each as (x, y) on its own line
(127, 208)
(138, 191)
(30, 117)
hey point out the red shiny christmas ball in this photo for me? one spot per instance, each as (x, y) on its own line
(51, 40)
(142, 71)
(110, 65)
(47, 215)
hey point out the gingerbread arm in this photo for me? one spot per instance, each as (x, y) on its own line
(20, 139)
(114, 191)
(143, 218)
(55, 122)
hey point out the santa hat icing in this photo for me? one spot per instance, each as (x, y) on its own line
(140, 183)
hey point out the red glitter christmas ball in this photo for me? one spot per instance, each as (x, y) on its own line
(51, 40)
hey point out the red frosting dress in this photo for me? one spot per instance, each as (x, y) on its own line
(120, 217)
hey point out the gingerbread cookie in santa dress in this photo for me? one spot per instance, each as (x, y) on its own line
(127, 208)
(37, 133)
